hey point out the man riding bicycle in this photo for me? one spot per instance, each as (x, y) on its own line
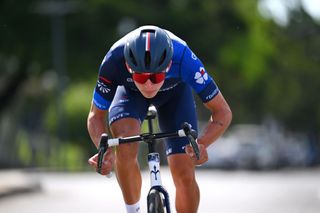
(147, 66)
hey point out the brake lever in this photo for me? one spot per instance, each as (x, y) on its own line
(103, 147)
(192, 137)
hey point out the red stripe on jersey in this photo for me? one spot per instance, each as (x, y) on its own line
(105, 80)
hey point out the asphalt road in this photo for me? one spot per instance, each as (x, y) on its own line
(221, 192)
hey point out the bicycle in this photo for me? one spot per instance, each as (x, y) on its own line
(158, 197)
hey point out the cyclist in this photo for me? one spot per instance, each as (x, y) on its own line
(151, 65)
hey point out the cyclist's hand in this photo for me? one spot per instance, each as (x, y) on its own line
(203, 154)
(107, 162)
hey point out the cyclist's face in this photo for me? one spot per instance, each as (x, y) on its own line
(149, 89)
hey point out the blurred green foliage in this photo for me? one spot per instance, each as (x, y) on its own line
(262, 69)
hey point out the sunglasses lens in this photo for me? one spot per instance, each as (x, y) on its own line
(140, 77)
(143, 77)
(157, 78)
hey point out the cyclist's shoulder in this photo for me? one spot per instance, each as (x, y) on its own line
(179, 45)
(175, 39)
(114, 56)
(112, 65)
(116, 50)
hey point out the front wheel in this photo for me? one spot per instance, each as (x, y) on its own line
(155, 204)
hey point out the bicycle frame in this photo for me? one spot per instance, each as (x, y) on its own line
(154, 163)
(153, 156)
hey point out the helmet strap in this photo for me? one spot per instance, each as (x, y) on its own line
(128, 68)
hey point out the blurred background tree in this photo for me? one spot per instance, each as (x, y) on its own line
(50, 54)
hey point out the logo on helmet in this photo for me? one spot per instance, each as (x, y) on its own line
(201, 76)
(193, 56)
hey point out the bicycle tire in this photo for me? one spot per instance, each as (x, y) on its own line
(155, 204)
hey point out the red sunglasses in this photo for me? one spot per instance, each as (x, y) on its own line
(155, 78)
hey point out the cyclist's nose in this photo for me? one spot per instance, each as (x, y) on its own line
(148, 84)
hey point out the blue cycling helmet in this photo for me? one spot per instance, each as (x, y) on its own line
(148, 49)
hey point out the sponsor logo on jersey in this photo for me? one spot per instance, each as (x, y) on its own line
(121, 115)
(201, 76)
(102, 87)
(212, 94)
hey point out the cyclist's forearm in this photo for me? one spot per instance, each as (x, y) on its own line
(96, 126)
(216, 126)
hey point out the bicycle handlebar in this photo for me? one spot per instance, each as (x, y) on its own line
(186, 131)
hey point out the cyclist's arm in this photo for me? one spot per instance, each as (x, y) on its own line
(96, 123)
(220, 119)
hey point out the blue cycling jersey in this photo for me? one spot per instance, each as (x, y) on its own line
(185, 68)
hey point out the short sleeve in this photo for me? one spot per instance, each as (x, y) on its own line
(194, 73)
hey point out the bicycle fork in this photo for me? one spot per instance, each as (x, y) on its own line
(155, 178)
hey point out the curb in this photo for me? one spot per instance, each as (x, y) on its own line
(15, 182)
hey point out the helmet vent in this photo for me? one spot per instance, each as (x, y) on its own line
(148, 31)
(133, 60)
(163, 57)
(147, 59)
